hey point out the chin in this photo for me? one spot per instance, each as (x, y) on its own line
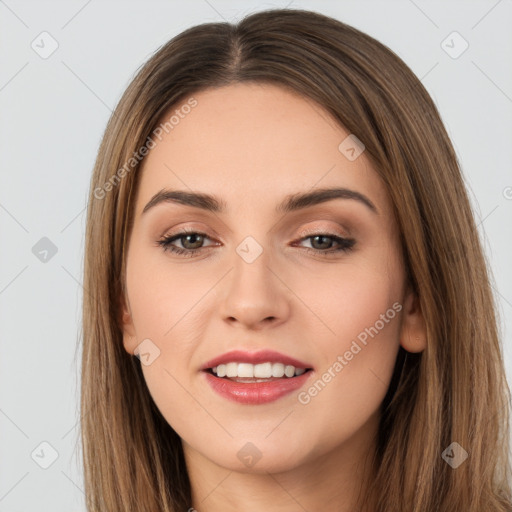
(256, 457)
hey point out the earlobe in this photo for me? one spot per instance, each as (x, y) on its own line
(413, 334)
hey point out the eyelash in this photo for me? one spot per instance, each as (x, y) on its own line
(346, 244)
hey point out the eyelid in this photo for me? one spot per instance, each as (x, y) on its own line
(182, 232)
(324, 230)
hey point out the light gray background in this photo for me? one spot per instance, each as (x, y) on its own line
(53, 113)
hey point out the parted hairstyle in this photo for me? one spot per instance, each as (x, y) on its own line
(454, 391)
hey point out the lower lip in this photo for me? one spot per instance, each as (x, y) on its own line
(256, 392)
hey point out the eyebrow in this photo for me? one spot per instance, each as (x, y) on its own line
(290, 203)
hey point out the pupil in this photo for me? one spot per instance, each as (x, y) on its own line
(326, 244)
(198, 242)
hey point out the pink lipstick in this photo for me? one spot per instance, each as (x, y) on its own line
(255, 377)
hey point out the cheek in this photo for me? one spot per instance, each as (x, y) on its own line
(362, 312)
(357, 339)
(163, 295)
(357, 301)
(166, 305)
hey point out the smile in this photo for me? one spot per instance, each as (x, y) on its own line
(255, 378)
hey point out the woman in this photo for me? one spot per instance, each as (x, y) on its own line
(287, 302)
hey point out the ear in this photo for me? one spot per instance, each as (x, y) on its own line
(129, 337)
(413, 333)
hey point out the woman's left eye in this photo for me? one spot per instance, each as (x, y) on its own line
(195, 239)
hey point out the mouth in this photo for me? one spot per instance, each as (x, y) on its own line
(258, 382)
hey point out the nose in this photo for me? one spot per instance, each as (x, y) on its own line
(254, 296)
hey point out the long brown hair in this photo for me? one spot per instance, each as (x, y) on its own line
(455, 391)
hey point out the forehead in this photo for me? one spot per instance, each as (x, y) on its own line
(252, 144)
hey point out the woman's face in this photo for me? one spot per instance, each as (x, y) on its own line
(312, 287)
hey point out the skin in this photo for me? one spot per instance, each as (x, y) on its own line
(251, 145)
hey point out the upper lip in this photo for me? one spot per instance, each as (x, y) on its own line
(261, 356)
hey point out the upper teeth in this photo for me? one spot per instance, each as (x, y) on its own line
(262, 370)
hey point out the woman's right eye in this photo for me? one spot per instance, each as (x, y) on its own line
(190, 236)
